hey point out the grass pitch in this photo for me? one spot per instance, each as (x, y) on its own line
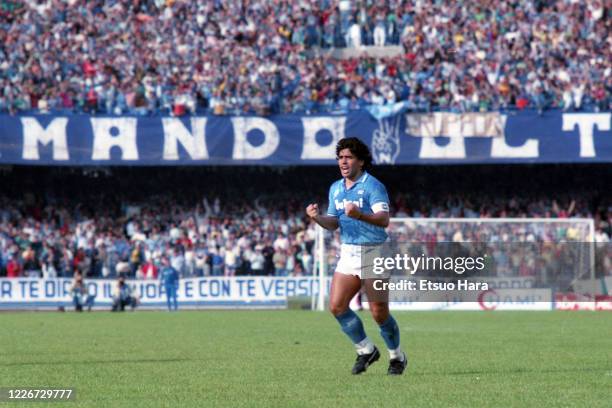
(302, 359)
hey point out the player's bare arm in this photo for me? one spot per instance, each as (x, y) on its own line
(380, 219)
(326, 221)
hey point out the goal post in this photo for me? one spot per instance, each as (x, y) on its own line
(319, 271)
(556, 253)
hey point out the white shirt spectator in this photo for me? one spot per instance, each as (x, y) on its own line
(281, 243)
(354, 36)
(257, 260)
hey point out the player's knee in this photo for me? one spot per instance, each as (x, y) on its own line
(380, 313)
(337, 308)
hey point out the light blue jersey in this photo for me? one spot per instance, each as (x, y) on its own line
(370, 195)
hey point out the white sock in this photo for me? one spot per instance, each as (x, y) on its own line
(365, 346)
(396, 354)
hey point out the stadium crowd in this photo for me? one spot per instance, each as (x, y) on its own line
(216, 222)
(243, 57)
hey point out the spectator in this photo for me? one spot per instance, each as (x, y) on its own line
(13, 268)
(217, 264)
(180, 57)
(231, 260)
(78, 215)
(31, 265)
(149, 270)
(280, 261)
(257, 262)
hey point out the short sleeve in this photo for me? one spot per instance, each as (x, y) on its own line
(331, 208)
(379, 200)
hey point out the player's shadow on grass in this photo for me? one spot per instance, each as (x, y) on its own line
(519, 370)
(90, 362)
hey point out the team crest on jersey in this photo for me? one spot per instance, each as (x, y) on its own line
(386, 141)
(360, 192)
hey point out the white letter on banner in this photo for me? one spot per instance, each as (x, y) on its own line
(454, 125)
(33, 133)
(500, 149)
(243, 150)
(104, 140)
(453, 150)
(585, 124)
(194, 142)
(313, 150)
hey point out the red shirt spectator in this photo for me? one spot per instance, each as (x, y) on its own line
(149, 270)
(522, 103)
(13, 269)
(89, 69)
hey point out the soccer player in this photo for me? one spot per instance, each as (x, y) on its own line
(169, 276)
(359, 205)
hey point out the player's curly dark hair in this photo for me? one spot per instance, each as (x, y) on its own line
(359, 149)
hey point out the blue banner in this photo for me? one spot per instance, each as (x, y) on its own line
(395, 138)
(210, 292)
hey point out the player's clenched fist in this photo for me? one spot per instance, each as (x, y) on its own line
(312, 210)
(352, 210)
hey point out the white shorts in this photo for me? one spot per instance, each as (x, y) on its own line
(351, 256)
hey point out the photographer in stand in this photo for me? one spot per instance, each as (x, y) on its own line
(80, 294)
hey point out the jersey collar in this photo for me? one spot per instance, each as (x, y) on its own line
(361, 179)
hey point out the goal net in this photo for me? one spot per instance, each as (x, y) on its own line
(516, 253)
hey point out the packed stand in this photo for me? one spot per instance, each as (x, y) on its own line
(200, 240)
(555, 253)
(264, 57)
(251, 221)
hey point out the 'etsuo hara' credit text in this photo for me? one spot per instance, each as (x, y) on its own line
(427, 285)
